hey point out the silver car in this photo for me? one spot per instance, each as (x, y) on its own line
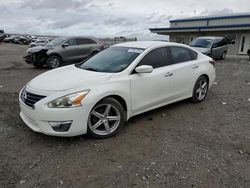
(215, 47)
(63, 50)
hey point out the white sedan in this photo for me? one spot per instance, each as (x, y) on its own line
(97, 96)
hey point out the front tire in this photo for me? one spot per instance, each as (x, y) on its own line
(53, 62)
(200, 89)
(106, 119)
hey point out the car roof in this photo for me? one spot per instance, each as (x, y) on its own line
(146, 44)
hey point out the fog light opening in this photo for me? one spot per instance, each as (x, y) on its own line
(60, 126)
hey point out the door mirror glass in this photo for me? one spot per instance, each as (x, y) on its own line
(65, 45)
(144, 69)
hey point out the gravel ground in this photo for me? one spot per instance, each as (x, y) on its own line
(180, 145)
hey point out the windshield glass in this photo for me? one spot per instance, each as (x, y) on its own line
(201, 43)
(56, 42)
(113, 59)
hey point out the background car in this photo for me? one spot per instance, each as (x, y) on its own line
(9, 39)
(2, 35)
(97, 96)
(63, 50)
(38, 43)
(215, 47)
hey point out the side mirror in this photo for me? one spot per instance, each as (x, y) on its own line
(144, 69)
(65, 45)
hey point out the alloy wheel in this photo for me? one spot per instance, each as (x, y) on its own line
(201, 89)
(54, 62)
(104, 119)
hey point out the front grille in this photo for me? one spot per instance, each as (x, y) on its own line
(30, 99)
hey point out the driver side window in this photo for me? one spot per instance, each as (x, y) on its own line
(156, 58)
(71, 42)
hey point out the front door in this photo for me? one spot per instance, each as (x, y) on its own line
(244, 44)
(151, 89)
(69, 53)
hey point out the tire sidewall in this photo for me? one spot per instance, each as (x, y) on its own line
(122, 120)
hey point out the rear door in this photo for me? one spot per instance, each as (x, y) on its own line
(151, 89)
(185, 70)
(219, 47)
(85, 47)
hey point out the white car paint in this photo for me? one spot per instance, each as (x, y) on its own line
(141, 92)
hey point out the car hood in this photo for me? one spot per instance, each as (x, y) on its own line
(39, 48)
(202, 50)
(66, 78)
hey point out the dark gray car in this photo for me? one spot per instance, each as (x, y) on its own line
(215, 47)
(63, 50)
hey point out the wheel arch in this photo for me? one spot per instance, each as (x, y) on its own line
(55, 54)
(119, 99)
(206, 77)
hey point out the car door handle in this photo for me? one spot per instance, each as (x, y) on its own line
(168, 74)
(195, 67)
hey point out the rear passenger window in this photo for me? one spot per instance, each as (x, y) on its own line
(216, 43)
(180, 54)
(156, 58)
(81, 41)
(223, 42)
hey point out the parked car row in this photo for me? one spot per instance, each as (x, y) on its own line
(24, 40)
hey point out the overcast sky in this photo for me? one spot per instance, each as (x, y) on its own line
(105, 18)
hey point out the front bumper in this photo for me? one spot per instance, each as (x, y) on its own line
(38, 118)
(35, 58)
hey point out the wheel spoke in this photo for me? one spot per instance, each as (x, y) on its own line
(204, 85)
(113, 118)
(198, 90)
(96, 114)
(200, 94)
(95, 126)
(107, 127)
(107, 110)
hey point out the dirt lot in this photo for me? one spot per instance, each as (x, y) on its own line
(180, 145)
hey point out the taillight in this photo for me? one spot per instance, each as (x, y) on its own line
(212, 62)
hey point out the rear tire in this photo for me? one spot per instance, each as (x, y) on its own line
(53, 62)
(200, 89)
(106, 119)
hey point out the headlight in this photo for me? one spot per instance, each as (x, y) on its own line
(69, 101)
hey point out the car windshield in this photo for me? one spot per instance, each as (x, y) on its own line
(57, 41)
(112, 60)
(201, 43)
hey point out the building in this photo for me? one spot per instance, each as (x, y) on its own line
(236, 27)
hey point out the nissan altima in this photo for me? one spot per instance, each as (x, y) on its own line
(97, 96)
